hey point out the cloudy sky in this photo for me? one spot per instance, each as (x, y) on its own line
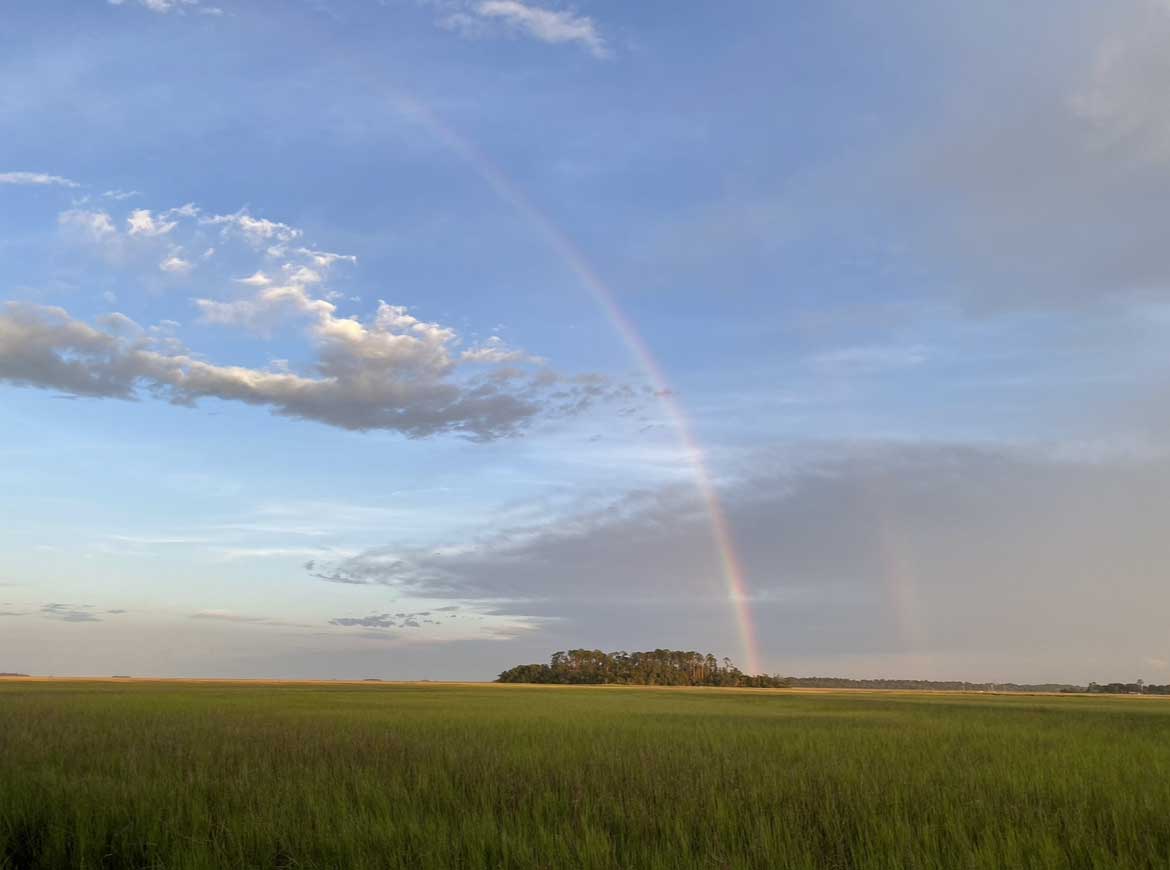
(419, 338)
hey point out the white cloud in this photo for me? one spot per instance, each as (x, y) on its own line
(146, 232)
(496, 350)
(257, 231)
(303, 275)
(390, 371)
(266, 308)
(161, 6)
(36, 178)
(257, 279)
(545, 25)
(273, 301)
(175, 264)
(143, 223)
(325, 259)
(95, 225)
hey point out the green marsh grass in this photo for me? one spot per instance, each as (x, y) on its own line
(174, 775)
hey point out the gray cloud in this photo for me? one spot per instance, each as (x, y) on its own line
(395, 373)
(387, 620)
(939, 551)
(334, 576)
(379, 620)
(70, 612)
(1044, 181)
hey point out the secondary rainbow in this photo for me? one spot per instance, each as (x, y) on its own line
(733, 574)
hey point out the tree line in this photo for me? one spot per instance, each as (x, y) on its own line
(660, 667)
(1139, 688)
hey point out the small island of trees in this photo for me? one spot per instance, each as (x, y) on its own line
(660, 667)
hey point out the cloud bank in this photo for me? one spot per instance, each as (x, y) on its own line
(933, 550)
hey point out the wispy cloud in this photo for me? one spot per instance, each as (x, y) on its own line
(869, 359)
(258, 231)
(165, 6)
(142, 222)
(489, 17)
(244, 619)
(231, 553)
(41, 178)
(388, 620)
(175, 264)
(94, 225)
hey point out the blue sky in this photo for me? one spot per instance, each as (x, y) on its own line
(298, 380)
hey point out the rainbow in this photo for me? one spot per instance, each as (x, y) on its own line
(576, 261)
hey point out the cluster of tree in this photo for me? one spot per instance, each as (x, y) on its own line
(1138, 688)
(660, 667)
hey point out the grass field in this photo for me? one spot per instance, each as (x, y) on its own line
(175, 775)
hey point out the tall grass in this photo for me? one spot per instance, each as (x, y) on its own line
(226, 776)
